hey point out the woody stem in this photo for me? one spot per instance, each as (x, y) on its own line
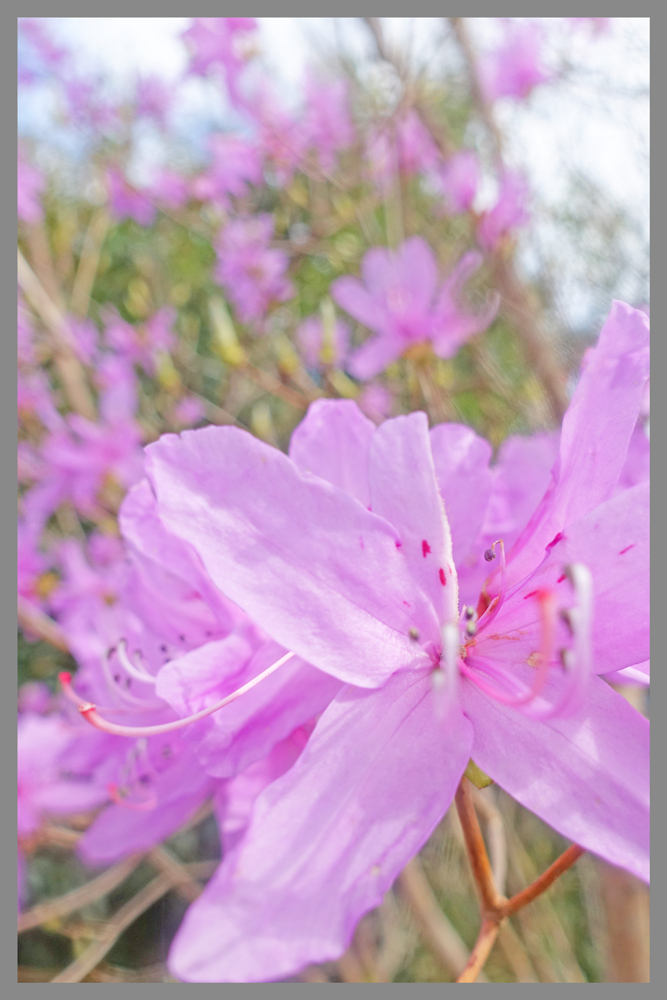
(494, 907)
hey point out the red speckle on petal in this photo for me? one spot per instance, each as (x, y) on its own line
(407, 604)
(533, 593)
(426, 548)
(398, 543)
(554, 541)
(443, 578)
(560, 578)
(626, 549)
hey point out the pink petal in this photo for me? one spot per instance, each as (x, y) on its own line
(417, 268)
(318, 572)
(587, 776)
(404, 490)
(332, 442)
(375, 355)
(350, 295)
(461, 461)
(246, 730)
(327, 840)
(596, 432)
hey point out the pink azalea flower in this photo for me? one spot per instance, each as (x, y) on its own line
(400, 301)
(417, 152)
(515, 68)
(318, 354)
(153, 98)
(343, 554)
(189, 411)
(509, 212)
(252, 273)
(376, 402)
(236, 164)
(170, 189)
(216, 42)
(126, 202)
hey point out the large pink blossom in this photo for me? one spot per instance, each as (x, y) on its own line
(399, 299)
(343, 554)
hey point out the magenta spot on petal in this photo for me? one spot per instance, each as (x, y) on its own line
(531, 594)
(626, 549)
(361, 542)
(398, 543)
(407, 604)
(560, 578)
(443, 578)
(426, 548)
(554, 541)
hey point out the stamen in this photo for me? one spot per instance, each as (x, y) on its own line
(124, 695)
(138, 674)
(547, 614)
(445, 682)
(120, 800)
(89, 711)
(496, 604)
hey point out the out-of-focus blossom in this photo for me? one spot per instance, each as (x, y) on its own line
(398, 298)
(417, 152)
(189, 411)
(84, 337)
(515, 67)
(236, 164)
(363, 584)
(30, 564)
(126, 202)
(509, 213)
(153, 98)
(252, 273)
(34, 29)
(376, 402)
(25, 334)
(169, 188)
(43, 788)
(326, 124)
(321, 346)
(218, 42)
(30, 189)
(141, 345)
(458, 180)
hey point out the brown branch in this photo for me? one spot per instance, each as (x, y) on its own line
(495, 833)
(52, 909)
(86, 962)
(485, 942)
(547, 878)
(89, 263)
(68, 365)
(32, 619)
(273, 385)
(482, 872)
(168, 864)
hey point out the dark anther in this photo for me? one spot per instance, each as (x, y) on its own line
(182, 638)
(144, 779)
(414, 634)
(567, 619)
(489, 555)
(469, 613)
(163, 648)
(471, 629)
(116, 677)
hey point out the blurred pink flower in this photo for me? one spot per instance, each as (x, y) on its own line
(316, 353)
(458, 180)
(509, 212)
(399, 299)
(327, 126)
(189, 411)
(515, 67)
(126, 202)
(236, 164)
(252, 273)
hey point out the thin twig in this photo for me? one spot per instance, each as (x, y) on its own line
(52, 909)
(481, 951)
(89, 262)
(32, 619)
(168, 864)
(543, 881)
(491, 900)
(69, 367)
(495, 833)
(273, 385)
(86, 962)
